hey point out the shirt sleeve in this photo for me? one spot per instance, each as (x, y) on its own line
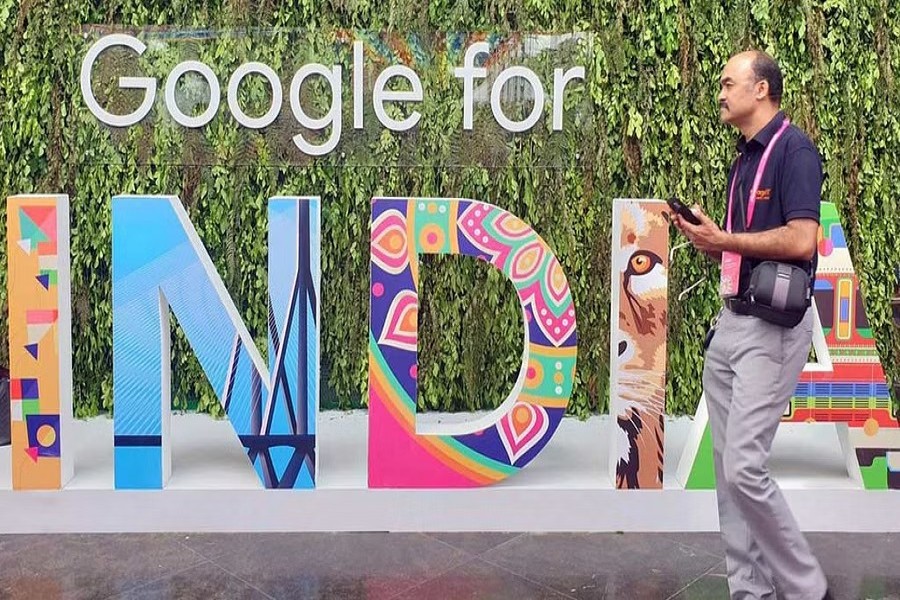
(801, 182)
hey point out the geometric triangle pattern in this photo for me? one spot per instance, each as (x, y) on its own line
(43, 216)
(35, 227)
(29, 229)
(47, 272)
(36, 333)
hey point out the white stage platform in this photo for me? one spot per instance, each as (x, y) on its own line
(567, 488)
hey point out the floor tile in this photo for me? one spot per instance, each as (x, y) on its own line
(713, 586)
(360, 565)
(480, 581)
(711, 543)
(205, 581)
(474, 543)
(627, 566)
(859, 565)
(86, 566)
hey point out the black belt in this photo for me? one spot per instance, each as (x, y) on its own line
(738, 306)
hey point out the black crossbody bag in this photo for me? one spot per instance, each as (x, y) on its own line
(779, 293)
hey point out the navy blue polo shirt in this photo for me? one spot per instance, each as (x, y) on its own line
(791, 187)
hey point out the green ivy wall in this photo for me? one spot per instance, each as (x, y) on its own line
(653, 67)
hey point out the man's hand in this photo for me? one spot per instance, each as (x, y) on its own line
(706, 237)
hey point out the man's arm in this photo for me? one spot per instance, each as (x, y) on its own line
(794, 241)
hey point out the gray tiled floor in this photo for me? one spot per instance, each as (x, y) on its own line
(407, 566)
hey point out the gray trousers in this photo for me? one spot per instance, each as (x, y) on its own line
(749, 376)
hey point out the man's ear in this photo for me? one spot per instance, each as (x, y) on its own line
(762, 89)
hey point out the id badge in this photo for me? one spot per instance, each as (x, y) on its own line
(731, 275)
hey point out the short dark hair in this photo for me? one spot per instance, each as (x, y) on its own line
(766, 69)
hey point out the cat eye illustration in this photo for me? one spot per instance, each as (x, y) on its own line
(640, 264)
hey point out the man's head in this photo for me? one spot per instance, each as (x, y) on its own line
(750, 85)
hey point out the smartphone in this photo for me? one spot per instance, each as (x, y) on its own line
(683, 211)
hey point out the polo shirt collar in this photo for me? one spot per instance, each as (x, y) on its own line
(764, 136)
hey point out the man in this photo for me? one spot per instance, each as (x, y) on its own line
(751, 365)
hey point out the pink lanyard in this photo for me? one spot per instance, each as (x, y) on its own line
(751, 203)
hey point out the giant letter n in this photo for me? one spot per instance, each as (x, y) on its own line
(159, 263)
